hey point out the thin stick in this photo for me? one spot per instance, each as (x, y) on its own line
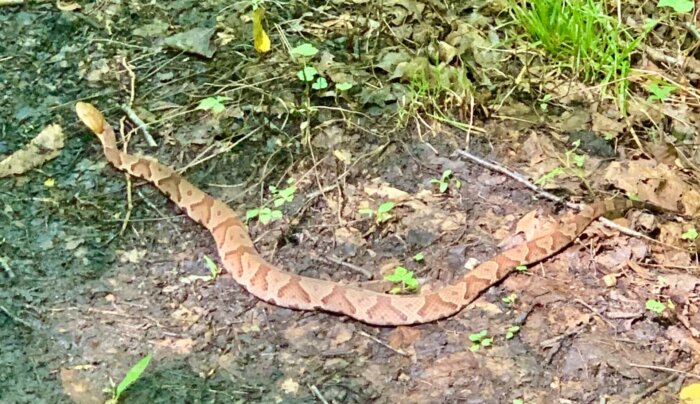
(140, 124)
(608, 322)
(15, 318)
(335, 260)
(384, 344)
(664, 369)
(523, 180)
(318, 394)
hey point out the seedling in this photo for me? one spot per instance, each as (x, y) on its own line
(510, 299)
(553, 173)
(308, 74)
(518, 401)
(521, 268)
(344, 86)
(382, 213)
(405, 280)
(679, 6)
(690, 235)
(655, 306)
(419, 257)
(660, 92)
(282, 196)
(511, 331)
(213, 104)
(480, 339)
(130, 378)
(279, 197)
(213, 268)
(264, 215)
(444, 181)
(572, 163)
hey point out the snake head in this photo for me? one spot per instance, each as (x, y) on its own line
(91, 117)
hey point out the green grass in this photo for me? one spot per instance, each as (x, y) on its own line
(584, 37)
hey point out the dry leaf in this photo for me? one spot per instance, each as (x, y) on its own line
(690, 394)
(65, 6)
(44, 147)
(260, 39)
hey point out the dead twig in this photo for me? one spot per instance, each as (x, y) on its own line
(548, 195)
(317, 393)
(594, 311)
(140, 124)
(384, 344)
(335, 260)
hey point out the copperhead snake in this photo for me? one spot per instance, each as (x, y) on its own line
(281, 288)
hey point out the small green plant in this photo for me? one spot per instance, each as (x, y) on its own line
(552, 174)
(583, 38)
(572, 164)
(130, 378)
(660, 92)
(344, 86)
(480, 339)
(382, 213)
(279, 197)
(282, 196)
(512, 331)
(690, 235)
(264, 215)
(213, 104)
(213, 268)
(521, 268)
(444, 181)
(679, 6)
(418, 257)
(308, 74)
(405, 280)
(510, 299)
(655, 306)
(518, 401)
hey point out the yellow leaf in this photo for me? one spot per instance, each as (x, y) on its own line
(260, 39)
(690, 394)
(50, 182)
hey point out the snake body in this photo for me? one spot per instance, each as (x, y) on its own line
(282, 288)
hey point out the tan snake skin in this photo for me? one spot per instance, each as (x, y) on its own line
(282, 288)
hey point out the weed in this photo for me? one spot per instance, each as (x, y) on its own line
(405, 280)
(690, 235)
(480, 339)
(572, 164)
(130, 378)
(419, 257)
(521, 268)
(433, 88)
(660, 92)
(581, 34)
(213, 268)
(512, 331)
(382, 213)
(308, 74)
(655, 306)
(279, 197)
(264, 215)
(444, 181)
(510, 299)
(679, 6)
(213, 104)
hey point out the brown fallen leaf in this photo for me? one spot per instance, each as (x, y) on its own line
(44, 147)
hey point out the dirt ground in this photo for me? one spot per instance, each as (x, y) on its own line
(82, 298)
